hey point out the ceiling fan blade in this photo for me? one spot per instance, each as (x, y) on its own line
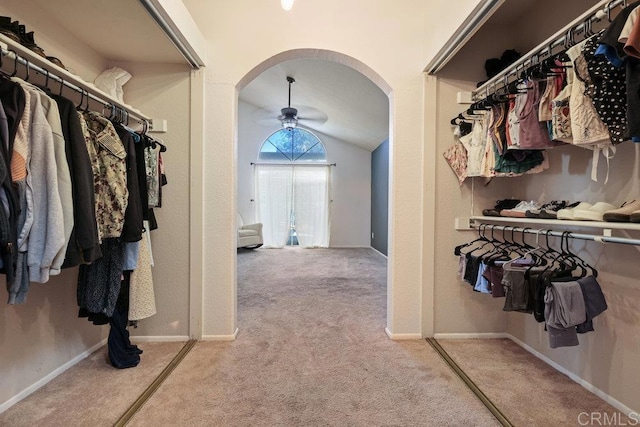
(311, 114)
(265, 116)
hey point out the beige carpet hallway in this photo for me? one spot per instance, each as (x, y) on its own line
(528, 391)
(312, 351)
(92, 393)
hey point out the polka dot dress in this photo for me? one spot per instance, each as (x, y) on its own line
(608, 90)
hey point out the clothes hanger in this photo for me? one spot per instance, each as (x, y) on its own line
(27, 69)
(159, 142)
(86, 108)
(584, 265)
(481, 237)
(564, 260)
(79, 106)
(501, 251)
(15, 63)
(503, 248)
(3, 73)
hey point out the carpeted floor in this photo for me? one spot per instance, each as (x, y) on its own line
(312, 351)
(92, 393)
(527, 391)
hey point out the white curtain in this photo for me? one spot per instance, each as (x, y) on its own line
(311, 187)
(301, 192)
(274, 195)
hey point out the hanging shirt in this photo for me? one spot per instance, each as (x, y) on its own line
(629, 23)
(110, 174)
(474, 144)
(561, 110)
(153, 175)
(606, 86)
(45, 238)
(489, 157)
(587, 127)
(52, 114)
(532, 134)
(632, 45)
(83, 243)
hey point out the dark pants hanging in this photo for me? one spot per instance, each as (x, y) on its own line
(122, 353)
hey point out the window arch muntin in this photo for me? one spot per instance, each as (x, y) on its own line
(295, 145)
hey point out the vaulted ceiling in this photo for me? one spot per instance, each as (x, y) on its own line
(343, 103)
(331, 98)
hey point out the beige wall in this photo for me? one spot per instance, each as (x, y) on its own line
(78, 57)
(392, 52)
(607, 358)
(43, 334)
(457, 308)
(163, 91)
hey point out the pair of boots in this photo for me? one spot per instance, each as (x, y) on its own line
(18, 33)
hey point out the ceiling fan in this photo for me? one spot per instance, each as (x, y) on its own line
(289, 116)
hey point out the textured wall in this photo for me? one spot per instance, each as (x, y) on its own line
(163, 91)
(55, 40)
(607, 358)
(457, 308)
(380, 197)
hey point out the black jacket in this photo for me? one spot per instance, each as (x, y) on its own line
(132, 230)
(83, 245)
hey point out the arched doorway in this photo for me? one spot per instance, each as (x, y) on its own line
(215, 268)
(341, 105)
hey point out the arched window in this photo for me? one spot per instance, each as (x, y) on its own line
(292, 145)
(293, 183)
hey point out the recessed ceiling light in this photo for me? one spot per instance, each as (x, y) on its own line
(286, 4)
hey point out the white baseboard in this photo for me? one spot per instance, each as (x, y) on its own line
(401, 337)
(220, 337)
(159, 338)
(483, 335)
(584, 383)
(380, 253)
(43, 381)
(593, 389)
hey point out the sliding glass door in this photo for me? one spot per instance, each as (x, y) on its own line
(294, 199)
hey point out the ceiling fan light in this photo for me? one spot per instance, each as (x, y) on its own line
(286, 4)
(289, 122)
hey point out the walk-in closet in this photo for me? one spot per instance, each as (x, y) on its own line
(602, 172)
(42, 334)
(508, 290)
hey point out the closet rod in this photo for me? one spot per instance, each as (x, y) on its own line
(292, 164)
(598, 12)
(28, 59)
(590, 237)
